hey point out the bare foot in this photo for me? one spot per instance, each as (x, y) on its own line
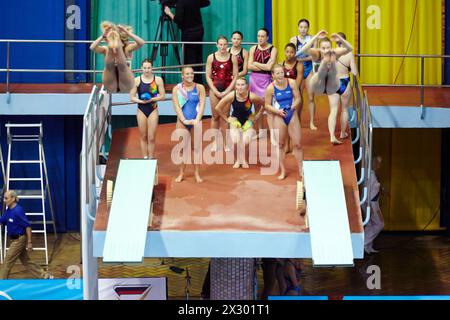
(335, 141)
(197, 178)
(282, 176)
(343, 135)
(180, 177)
(114, 41)
(312, 126)
(245, 165)
(236, 165)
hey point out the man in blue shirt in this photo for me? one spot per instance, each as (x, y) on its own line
(19, 232)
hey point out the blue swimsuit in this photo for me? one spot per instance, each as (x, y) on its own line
(283, 101)
(306, 64)
(344, 81)
(190, 107)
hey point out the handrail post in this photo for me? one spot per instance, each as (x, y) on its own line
(422, 86)
(182, 53)
(94, 67)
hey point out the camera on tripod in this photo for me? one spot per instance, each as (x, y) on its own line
(168, 3)
(161, 44)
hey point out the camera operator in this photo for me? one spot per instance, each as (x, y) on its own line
(189, 19)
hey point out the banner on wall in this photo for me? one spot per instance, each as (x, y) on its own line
(60, 289)
(132, 289)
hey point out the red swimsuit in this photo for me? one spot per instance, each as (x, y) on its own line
(290, 73)
(222, 73)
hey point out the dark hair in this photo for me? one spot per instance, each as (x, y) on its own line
(237, 32)
(221, 37)
(242, 78)
(291, 45)
(342, 35)
(265, 30)
(147, 60)
(303, 20)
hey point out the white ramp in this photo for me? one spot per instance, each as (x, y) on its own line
(327, 214)
(130, 209)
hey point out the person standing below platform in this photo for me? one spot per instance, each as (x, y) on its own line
(239, 52)
(346, 65)
(19, 233)
(221, 74)
(117, 76)
(188, 18)
(262, 58)
(376, 221)
(189, 103)
(149, 89)
(282, 99)
(299, 41)
(288, 276)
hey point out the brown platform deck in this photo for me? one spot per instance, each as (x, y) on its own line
(231, 199)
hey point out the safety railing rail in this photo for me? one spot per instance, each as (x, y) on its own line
(162, 70)
(96, 125)
(422, 84)
(364, 131)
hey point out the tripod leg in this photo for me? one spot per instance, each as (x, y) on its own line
(171, 31)
(158, 37)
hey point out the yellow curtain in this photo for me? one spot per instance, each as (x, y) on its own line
(400, 27)
(331, 15)
(411, 176)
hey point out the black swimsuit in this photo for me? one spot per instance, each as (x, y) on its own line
(150, 88)
(242, 110)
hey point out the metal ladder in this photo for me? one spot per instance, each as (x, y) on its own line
(2, 191)
(23, 189)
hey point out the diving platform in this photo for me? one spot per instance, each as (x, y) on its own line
(234, 213)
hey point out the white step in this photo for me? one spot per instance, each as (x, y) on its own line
(37, 231)
(23, 139)
(29, 194)
(23, 125)
(24, 161)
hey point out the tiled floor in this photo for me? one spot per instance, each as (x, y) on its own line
(410, 264)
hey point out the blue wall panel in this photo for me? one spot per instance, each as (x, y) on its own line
(77, 55)
(268, 18)
(43, 19)
(62, 144)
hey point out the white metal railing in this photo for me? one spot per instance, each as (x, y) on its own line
(422, 84)
(96, 125)
(364, 132)
(162, 70)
